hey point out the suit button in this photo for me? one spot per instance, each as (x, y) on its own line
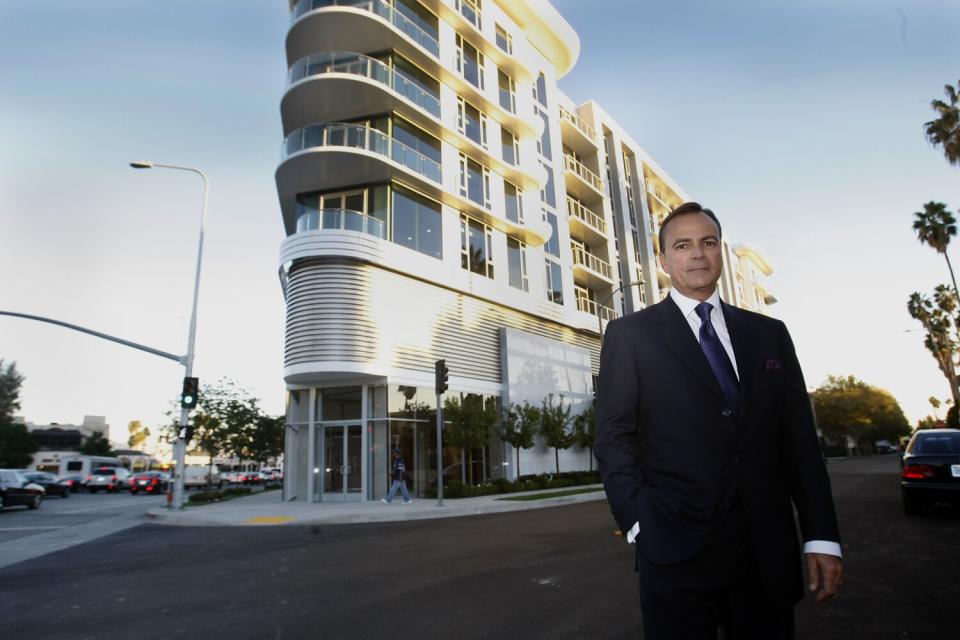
(726, 413)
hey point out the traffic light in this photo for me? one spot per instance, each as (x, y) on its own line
(191, 392)
(442, 374)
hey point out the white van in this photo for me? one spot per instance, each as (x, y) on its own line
(196, 476)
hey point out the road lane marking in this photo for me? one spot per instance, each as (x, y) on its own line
(29, 528)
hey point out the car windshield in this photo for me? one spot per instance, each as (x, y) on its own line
(932, 444)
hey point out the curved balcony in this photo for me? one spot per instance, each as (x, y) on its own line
(310, 219)
(594, 309)
(326, 156)
(335, 85)
(580, 181)
(372, 26)
(338, 85)
(304, 30)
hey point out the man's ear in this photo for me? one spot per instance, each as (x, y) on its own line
(660, 258)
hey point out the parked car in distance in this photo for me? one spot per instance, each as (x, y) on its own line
(930, 469)
(15, 489)
(52, 486)
(196, 477)
(76, 482)
(113, 479)
(152, 482)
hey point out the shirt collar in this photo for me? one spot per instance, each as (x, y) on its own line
(688, 305)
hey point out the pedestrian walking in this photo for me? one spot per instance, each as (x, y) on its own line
(399, 480)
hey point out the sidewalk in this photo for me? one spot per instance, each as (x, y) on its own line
(265, 508)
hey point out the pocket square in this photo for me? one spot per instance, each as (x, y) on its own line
(773, 365)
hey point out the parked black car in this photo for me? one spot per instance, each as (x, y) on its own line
(50, 483)
(154, 482)
(930, 469)
(16, 490)
(76, 482)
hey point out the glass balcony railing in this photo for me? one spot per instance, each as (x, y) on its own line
(591, 307)
(579, 123)
(580, 212)
(309, 219)
(572, 164)
(590, 261)
(367, 67)
(357, 136)
(378, 7)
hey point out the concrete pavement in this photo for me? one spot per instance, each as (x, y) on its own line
(265, 508)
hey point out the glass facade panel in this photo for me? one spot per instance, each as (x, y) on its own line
(507, 90)
(517, 264)
(472, 123)
(509, 147)
(418, 15)
(416, 139)
(513, 202)
(475, 240)
(416, 222)
(543, 145)
(470, 62)
(553, 244)
(554, 282)
(475, 182)
(339, 403)
(540, 90)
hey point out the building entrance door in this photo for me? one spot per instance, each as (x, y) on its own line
(342, 472)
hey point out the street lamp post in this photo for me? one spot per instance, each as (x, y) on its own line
(600, 306)
(180, 448)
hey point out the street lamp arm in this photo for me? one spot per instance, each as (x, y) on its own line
(98, 334)
(638, 283)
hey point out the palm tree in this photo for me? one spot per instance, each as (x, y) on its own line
(945, 130)
(935, 226)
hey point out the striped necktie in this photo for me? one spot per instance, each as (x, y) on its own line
(717, 357)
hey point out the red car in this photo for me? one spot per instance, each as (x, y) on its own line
(152, 482)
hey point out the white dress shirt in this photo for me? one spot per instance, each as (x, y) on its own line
(688, 308)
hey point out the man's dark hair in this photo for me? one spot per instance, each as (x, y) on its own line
(684, 209)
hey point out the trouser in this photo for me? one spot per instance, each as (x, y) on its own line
(402, 486)
(718, 593)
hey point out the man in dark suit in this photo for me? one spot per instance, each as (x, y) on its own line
(706, 443)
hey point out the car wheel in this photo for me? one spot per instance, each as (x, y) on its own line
(65, 494)
(37, 499)
(912, 506)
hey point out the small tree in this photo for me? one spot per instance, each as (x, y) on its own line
(96, 445)
(555, 420)
(470, 421)
(17, 446)
(267, 441)
(10, 381)
(138, 434)
(520, 425)
(585, 430)
(937, 317)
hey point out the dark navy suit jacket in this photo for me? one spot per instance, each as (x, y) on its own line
(673, 455)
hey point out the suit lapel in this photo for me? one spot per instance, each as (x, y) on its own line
(675, 331)
(743, 348)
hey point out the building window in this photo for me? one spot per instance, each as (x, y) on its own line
(508, 91)
(504, 40)
(416, 222)
(547, 194)
(476, 246)
(428, 148)
(410, 78)
(469, 63)
(543, 144)
(472, 122)
(517, 264)
(540, 90)
(510, 146)
(514, 202)
(552, 246)
(470, 9)
(474, 181)
(554, 282)
(355, 210)
(419, 15)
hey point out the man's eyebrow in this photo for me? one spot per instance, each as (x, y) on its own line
(707, 237)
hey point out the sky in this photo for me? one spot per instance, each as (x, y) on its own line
(799, 123)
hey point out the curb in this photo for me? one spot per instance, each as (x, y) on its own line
(313, 514)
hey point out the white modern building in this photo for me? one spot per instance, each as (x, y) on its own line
(443, 199)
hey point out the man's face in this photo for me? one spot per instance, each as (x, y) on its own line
(692, 256)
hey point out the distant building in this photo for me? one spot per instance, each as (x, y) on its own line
(57, 440)
(443, 199)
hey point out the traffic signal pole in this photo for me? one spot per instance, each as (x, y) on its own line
(441, 375)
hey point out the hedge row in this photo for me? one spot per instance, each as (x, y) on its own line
(457, 489)
(216, 496)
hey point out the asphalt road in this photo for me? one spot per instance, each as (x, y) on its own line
(551, 573)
